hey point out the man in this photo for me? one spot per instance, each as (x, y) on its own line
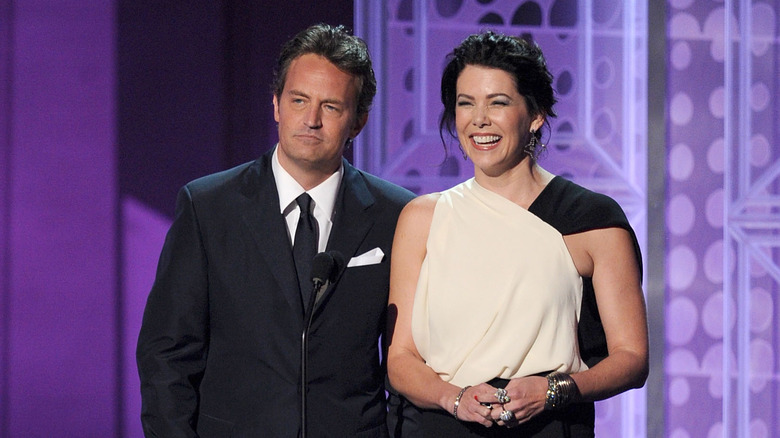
(220, 348)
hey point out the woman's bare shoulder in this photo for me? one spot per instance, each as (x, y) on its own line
(421, 206)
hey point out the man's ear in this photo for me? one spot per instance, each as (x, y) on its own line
(276, 109)
(360, 122)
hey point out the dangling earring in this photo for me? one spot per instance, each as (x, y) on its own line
(462, 152)
(349, 143)
(530, 148)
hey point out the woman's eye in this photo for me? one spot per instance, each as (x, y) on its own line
(464, 103)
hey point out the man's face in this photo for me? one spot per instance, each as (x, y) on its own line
(317, 114)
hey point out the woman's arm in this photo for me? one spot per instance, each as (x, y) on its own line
(608, 256)
(407, 370)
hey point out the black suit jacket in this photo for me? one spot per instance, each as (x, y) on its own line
(219, 348)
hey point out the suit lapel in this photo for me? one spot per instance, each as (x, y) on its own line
(352, 219)
(269, 230)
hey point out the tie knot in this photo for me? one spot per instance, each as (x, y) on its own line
(304, 203)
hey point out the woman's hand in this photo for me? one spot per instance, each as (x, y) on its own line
(470, 408)
(526, 400)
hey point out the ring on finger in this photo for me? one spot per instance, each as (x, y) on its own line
(502, 396)
(506, 416)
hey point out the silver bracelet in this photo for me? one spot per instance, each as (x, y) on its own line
(457, 401)
(561, 391)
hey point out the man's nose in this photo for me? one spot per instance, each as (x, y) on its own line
(313, 118)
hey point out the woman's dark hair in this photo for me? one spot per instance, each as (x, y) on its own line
(347, 52)
(523, 60)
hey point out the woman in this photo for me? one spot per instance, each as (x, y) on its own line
(488, 278)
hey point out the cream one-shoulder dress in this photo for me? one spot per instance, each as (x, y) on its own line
(498, 293)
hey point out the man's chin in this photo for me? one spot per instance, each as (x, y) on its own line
(319, 164)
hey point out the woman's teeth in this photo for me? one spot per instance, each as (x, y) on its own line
(486, 139)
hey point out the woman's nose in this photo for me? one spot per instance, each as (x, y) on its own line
(480, 116)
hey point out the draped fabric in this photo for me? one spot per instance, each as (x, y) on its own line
(498, 293)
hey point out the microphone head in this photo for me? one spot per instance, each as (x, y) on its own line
(339, 263)
(321, 267)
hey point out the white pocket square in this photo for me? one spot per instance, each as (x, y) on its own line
(369, 258)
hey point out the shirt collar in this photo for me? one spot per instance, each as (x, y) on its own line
(324, 195)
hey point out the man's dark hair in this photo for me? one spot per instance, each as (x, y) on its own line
(347, 52)
(523, 60)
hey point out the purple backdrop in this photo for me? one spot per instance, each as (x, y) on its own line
(59, 273)
(106, 109)
(723, 219)
(85, 198)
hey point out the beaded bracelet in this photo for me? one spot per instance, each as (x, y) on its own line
(457, 401)
(561, 390)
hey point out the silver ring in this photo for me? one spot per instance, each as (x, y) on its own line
(502, 396)
(506, 416)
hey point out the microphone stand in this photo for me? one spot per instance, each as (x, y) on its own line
(308, 316)
(325, 267)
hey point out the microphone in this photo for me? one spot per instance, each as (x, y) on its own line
(321, 268)
(325, 268)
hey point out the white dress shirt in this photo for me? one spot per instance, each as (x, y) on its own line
(323, 196)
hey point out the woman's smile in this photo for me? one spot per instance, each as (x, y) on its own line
(485, 142)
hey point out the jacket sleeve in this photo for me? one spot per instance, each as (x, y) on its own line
(173, 341)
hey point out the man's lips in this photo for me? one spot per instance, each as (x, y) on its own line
(308, 137)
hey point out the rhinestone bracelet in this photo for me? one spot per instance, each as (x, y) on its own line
(457, 401)
(561, 391)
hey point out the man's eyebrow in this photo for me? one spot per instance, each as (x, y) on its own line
(331, 100)
(297, 93)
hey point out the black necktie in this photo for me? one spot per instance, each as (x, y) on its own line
(305, 246)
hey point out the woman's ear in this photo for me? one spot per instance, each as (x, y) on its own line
(537, 123)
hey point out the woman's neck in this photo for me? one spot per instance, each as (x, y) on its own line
(521, 185)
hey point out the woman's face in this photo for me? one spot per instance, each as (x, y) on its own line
(492, 119)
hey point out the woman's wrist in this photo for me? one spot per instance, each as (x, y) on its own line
(561, 391)
(458, 400)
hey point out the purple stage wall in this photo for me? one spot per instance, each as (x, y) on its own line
(106, 109)
(82, 217)
(723, 219)
(60, 219)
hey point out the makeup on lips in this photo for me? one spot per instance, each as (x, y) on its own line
(485, 142)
